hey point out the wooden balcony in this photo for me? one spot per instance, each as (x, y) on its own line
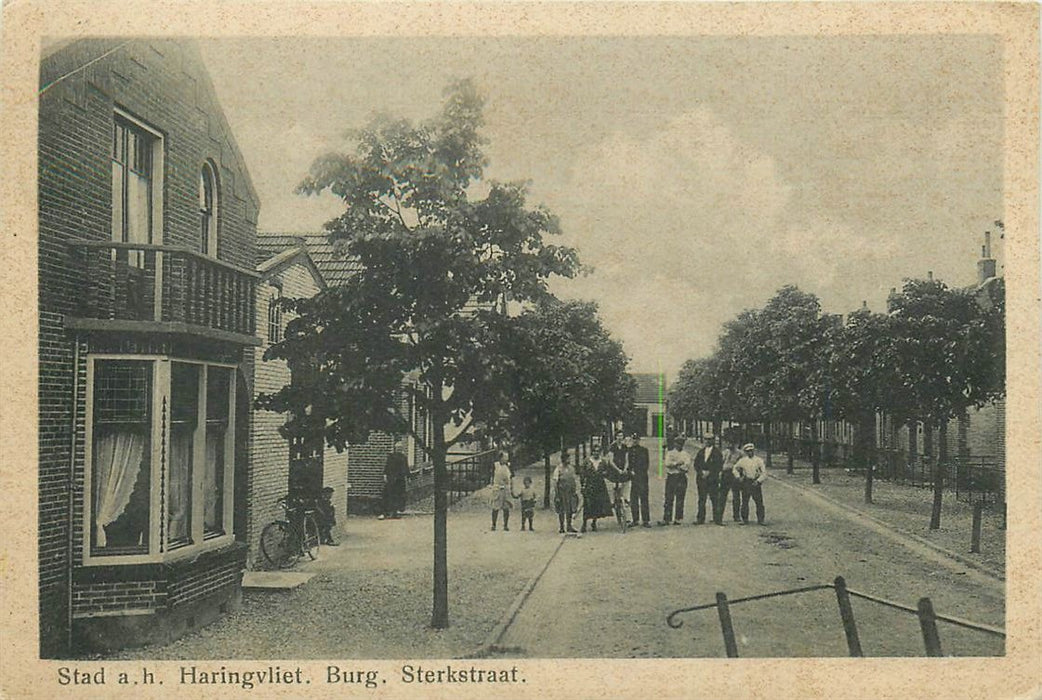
(132, 287)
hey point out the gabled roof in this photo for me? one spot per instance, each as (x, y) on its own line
(651, 388)
(274, 261)
(64, 58)
(334, 267)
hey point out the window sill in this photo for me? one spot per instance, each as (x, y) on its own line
(179, 555)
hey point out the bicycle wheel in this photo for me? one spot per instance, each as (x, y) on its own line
(278, 544)
(309, 536)
(620, 514)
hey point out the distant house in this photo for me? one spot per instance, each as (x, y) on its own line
(278, 466)
(365, 461)
(147, 288)
(649, 418)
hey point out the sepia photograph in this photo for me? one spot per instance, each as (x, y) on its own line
(508, 347)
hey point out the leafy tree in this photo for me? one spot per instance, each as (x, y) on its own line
(701, 391)
(945, 349)
(864, 379)
(569, 378)
(434, 264)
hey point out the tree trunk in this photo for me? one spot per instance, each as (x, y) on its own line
(866, 441)
(815, 454)
(938, 494)
(767, 440)
(790, 456)
(440, 614)
(938, 472)
(546, 480)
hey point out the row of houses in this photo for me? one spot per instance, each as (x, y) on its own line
(157, 301)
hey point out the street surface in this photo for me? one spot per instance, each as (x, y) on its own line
(606, 594)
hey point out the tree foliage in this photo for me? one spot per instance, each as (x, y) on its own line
(569, 375)
(423, 312)
(937, 352)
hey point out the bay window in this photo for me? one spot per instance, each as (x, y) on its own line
(160, 452)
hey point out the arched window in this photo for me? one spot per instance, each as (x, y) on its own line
(208, 210)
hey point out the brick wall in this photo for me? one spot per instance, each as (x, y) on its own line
(122, 595)
(164, 84)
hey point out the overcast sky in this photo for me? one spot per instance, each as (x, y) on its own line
(695, 175)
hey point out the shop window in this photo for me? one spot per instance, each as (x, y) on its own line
(162, 441)
(218, 446)
(184, 432)
(120, 458)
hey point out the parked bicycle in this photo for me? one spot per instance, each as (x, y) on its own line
(284, 542)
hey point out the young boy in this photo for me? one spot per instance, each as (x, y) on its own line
(326, 517)
(528, 497)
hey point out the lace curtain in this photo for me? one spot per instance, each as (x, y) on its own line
(116, 467)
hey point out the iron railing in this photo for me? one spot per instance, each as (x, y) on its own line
(142, 282)
(924, 611)
(469, 473)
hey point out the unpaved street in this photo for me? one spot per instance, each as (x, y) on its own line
(608, 594)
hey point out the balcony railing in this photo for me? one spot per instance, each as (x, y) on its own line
(162, 284)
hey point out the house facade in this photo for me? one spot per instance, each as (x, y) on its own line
(147, 294)
(649, 417)
(366, 459)
(277, 466)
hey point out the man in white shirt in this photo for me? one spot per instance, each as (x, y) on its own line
(677, 464)
(751, 472)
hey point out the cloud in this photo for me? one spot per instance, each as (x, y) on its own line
(684, 226)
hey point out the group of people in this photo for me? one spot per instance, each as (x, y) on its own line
(590, 488)
(719, 475)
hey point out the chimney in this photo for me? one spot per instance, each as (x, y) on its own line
(864, 305)
(929, 275)
(986, 265)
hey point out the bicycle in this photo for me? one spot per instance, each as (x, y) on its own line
(619, 506)
(284, 542)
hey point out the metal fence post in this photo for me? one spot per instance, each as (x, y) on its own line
(928, 624)
(725, 625)
(846, 613)
(978, 509)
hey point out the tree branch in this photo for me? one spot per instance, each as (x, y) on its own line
(461, 433)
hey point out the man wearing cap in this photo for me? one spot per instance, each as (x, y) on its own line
(752, 472)
(638, 460)
(677, 464)
(708, 463)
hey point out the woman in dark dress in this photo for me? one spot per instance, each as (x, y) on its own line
(596, 501)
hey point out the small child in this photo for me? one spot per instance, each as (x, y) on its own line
(528, 497)
(326, 517)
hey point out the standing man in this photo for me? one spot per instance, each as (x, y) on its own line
(639, 461)
(752, 472)
(730, 486)
(396, 472)
(677, 464)
(618, 452)
(708, 463)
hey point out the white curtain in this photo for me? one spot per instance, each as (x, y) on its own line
(180, 483)
(213, 477)
(115, 471)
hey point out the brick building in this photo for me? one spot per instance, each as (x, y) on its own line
(277, 467)
(367, 459)
(147, 292)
